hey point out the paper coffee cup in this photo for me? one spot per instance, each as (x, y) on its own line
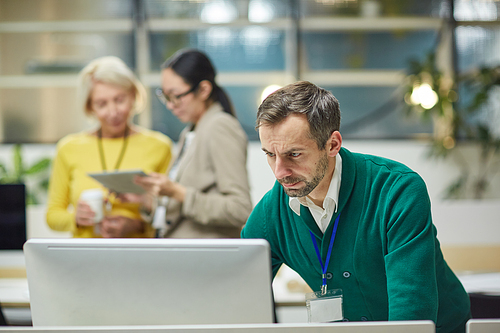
(95, 199)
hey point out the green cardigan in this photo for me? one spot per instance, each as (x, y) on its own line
(386, 257)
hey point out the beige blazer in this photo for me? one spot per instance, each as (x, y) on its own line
(213, 169)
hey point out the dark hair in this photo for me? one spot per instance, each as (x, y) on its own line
(193, 66)
(319, 105)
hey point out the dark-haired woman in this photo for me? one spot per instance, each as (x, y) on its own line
(206, 192)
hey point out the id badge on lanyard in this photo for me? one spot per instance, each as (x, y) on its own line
(324, 308)
(325, 305)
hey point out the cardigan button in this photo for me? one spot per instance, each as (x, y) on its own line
(364, 318)
(345, 319)
(329, 276)
(346, 274)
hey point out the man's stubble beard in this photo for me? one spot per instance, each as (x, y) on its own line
(320, 173)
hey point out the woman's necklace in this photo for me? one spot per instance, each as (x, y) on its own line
(101, 150)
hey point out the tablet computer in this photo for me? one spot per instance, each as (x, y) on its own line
(120, 181)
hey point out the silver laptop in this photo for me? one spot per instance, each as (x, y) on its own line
(99, 282)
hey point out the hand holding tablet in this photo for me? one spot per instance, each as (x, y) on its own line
(120, 181)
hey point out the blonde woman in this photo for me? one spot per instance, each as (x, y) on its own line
(110, 93)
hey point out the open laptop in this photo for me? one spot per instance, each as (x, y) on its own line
(99, 282)
(353, 327)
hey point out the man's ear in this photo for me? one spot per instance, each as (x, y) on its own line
(205, 89)
(334, 144)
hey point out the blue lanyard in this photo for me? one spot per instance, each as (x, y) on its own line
(324, 266)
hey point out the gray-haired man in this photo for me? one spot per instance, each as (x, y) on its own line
(355, 223)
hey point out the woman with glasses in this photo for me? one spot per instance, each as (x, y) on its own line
(110, 93)
(206, 192)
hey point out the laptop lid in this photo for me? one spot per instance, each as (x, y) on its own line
(97, 282)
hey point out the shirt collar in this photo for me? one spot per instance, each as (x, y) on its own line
(332, 196)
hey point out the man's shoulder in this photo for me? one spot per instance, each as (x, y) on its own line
(360, 169)
(376, 162)
(384, 173)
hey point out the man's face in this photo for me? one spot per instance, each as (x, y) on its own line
(297, 163)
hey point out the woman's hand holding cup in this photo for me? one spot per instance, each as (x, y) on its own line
(89, 209)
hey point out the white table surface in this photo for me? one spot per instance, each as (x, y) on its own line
(14, 292)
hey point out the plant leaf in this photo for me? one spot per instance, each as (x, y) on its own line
(39, 166)
(18, 163)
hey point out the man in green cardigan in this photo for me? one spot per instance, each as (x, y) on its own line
(349, 221)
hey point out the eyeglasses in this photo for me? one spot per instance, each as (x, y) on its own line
(174, 99)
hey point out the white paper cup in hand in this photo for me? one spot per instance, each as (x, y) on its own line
(95, 199)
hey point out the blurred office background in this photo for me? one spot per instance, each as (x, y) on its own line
(359, 49)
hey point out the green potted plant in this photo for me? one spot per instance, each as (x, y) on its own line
(34, 176)
(433, 96)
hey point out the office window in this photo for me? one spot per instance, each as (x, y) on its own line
(249, 49)
(312, 45)
(366, 50)
(357, 49)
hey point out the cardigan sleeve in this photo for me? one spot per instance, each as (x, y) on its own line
(230, 204)
(257, 227)
(58, 216)
(410, 259)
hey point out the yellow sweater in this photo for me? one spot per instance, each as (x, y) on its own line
(78, 154)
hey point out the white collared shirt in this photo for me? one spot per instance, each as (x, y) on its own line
(321, 215)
